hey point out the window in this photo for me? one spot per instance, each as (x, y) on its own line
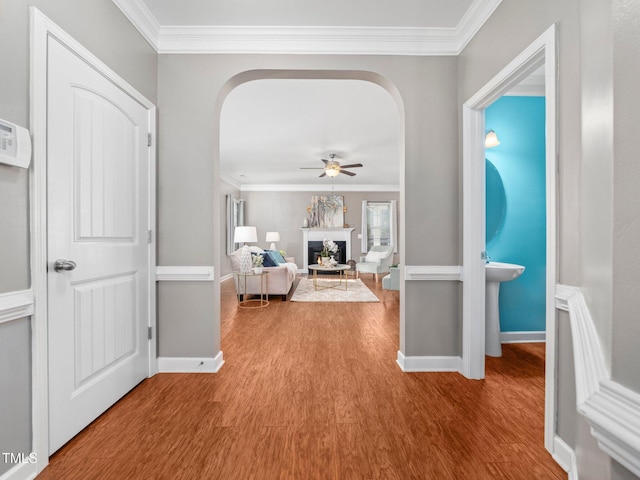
(235, 218)
(379, 224)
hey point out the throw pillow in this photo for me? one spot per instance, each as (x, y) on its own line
(276, 256)
(267, 261)
(374, 257)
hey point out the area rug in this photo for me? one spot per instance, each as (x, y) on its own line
(356, 292)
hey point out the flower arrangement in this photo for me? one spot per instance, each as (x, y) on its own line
(258, 260)
(329, 247)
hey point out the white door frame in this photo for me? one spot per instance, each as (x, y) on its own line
(41, 30)
(541, 52)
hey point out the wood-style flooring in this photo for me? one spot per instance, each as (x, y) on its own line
(312, 391)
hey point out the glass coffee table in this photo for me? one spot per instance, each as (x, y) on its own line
(342, 275)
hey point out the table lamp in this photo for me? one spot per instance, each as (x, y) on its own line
(272, 237)
(245, 234)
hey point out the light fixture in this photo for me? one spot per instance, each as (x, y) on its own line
(272, 237)
(332, 170)
(245, 234)
(491, 140)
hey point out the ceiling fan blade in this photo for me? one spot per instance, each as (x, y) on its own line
(326, 162)
(351, 174)
(324, 174)
(353, 165)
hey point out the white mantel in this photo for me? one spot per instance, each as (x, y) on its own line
(319, 234)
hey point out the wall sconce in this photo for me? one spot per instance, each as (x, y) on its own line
(491, 140)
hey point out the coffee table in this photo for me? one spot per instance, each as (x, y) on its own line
(342, 274)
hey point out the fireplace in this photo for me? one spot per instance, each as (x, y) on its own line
(315, 236)
(315, 247)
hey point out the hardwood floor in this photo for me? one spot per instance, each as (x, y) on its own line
(312, 391)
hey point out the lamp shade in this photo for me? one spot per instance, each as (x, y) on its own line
(272, 237)
(491, 140)
(245, 234)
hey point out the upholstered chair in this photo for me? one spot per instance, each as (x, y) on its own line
(392, 281)
(377, 261)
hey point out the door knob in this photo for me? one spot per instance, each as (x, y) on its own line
(64, 265)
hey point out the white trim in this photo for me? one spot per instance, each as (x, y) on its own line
(565, 456)
(16, 305)
(611, 409)
(190, 364)
(318, 188)
(541, 52)
(184, 274)
(23, 471)
(141, 17)
(336, 40)
(523, 337)
(433, 272)
(226, 277)
(590, 366)
(42, 28)
(428, 364)
(230, 181)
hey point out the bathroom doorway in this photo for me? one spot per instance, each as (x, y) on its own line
(541, 53)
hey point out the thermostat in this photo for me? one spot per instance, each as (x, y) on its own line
(15, 145)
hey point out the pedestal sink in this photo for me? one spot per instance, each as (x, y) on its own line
(495, 273)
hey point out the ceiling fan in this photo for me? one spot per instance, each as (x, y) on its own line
(332, 167)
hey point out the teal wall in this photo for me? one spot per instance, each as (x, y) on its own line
(516, 228)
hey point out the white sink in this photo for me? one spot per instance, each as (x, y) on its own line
(502, 272)
(495, 273)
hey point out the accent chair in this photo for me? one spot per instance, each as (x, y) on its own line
(377, 261)
(392, 281)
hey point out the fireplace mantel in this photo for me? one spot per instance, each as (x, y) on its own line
(319, 234)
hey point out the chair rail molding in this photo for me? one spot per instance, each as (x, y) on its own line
(184, 274)
(16, 305)
(612, 410)
(433, 272)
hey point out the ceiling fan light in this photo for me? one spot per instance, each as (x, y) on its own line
(332, 171)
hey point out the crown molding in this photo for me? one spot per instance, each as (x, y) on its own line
(307, 40)
(320, 188)
(141, 17)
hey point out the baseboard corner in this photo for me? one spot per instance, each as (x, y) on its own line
(429, 364)
(565, 456)
(190, 364)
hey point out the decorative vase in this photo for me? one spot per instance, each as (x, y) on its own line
(305, 223)
(257, 270)
(325, 261)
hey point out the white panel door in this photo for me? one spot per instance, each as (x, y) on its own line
(97, 197)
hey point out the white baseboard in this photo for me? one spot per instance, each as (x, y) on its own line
(190, 364)
(429, 364)
(226, 277)
(564, 456)
(523, 337)
(22, 471)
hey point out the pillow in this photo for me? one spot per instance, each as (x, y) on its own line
(276, 256)
(267, 261)
(375, 257)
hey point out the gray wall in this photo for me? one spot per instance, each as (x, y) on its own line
(191, 91)
(284, 212)
(15, 384)
(598, 176)
(101, 28)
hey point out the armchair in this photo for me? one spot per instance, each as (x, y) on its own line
(392, 281)
(377, 261)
